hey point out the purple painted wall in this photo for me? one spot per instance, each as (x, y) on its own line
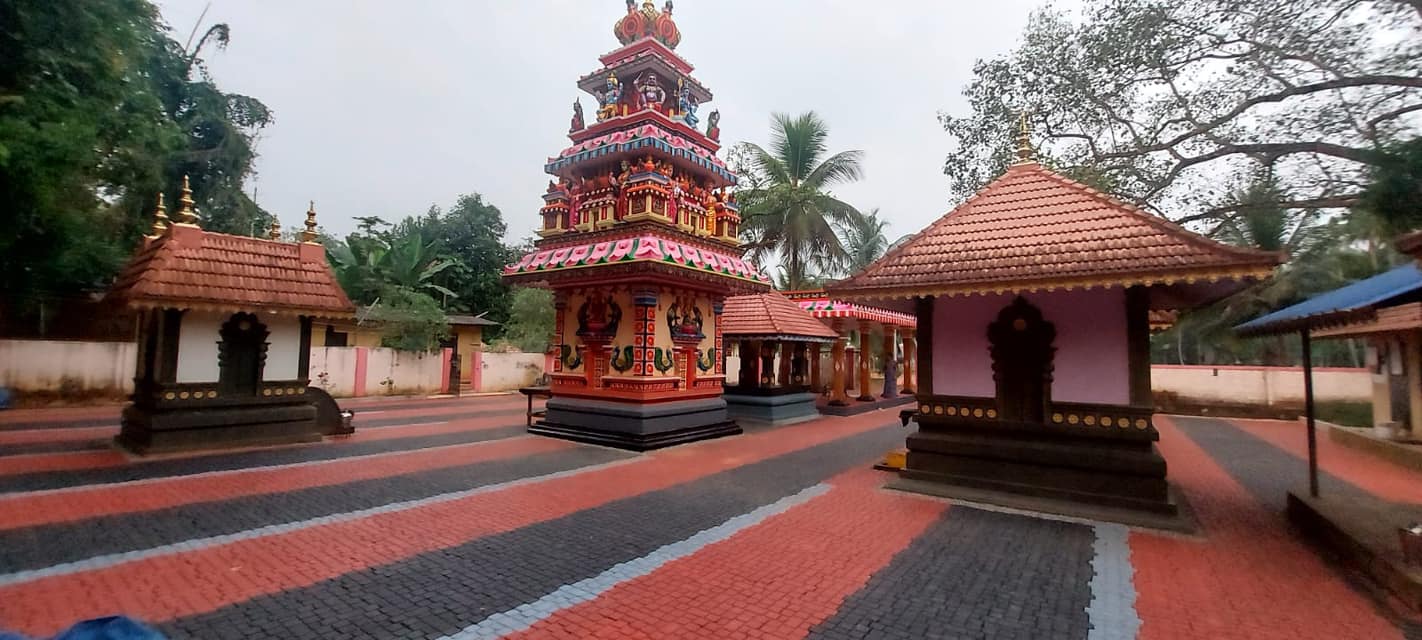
(1091, 360)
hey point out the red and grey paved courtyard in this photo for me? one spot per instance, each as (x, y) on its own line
(443, 519)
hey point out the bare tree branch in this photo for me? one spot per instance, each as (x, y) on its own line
(1246, 105)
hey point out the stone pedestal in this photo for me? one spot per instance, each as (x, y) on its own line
(637, 427)
(782, 408)
(190, 420)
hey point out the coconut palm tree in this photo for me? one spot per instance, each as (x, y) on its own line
(790, 215)
(864, 241)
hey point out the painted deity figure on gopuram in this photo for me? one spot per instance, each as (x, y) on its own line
(640, 246)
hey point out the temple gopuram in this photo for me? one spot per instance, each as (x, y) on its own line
(639, 245)
(1034, 301)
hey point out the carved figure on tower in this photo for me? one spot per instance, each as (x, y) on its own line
(578, 124)
(713, 126)
(687, 104)
(650, 94)
(610, 99)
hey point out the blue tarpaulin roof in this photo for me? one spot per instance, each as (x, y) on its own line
(1339, 305)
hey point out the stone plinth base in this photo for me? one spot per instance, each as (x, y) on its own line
(637, 427)
(1099, 474)
(1361, 531)
(147, 430)
(784, 408)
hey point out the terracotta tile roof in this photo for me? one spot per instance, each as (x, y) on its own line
(1034, 229)
(191, 268)
(770, 314)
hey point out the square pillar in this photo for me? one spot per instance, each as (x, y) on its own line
(644, 340)
(783, 379)
(816, 384)
(839, 371)
(891, 365)
(864, 394)
(910, 362)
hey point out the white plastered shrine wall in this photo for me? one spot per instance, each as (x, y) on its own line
(201, 333)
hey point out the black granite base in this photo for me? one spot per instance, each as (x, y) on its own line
(772, 409)
(147, 431)
(1043, 463)
(856, 407)
(636, 427)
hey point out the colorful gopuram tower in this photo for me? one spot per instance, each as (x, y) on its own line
(639, 245)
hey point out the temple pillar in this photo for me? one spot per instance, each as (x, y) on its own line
(865, 395)
(560, 310)
(783, 379)
(750, 357)
(910, 362)
(891, 365)
(815, 383)
(838, 372)
(765, 373)
(799, 365)
(717, 309)
(644, 332)
(851, 369)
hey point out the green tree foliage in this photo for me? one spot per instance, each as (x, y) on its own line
(1161, 100)
(531, 319)
(454, 258)
(1325, 256)
(409, 320)
(1394, 191)
(790, 214)
(864, 241)
(471, 237)
(99, 111)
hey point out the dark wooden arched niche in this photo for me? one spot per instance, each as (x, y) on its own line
(241, 355)
(1021, 342)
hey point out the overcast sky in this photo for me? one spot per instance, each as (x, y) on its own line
(384, 108)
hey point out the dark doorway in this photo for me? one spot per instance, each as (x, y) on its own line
(1021, 343)
(336, 338)
(241, 355)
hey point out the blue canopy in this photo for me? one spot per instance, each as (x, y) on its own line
(1355, 301)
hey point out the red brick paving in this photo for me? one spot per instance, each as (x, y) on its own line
(776, 580)
(27, 510)
(40, 462)
(167, 587)
(1248, 578)
(1376, 475)
(32, 436)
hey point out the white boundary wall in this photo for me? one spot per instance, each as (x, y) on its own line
(1264, 386)
(107, 368)
(509, 371)
(50, 365)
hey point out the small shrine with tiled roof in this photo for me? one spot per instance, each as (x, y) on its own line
(224, 335)
(639, 244)
(851, 368)
(779, 346)
(1034, 300)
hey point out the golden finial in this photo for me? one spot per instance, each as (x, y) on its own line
(186, 214)
(309, 235)
(1025, 154)
(160, 218)
(274, 233)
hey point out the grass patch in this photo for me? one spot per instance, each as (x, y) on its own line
(1347, 414)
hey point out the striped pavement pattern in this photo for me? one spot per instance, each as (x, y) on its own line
(441, 518)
